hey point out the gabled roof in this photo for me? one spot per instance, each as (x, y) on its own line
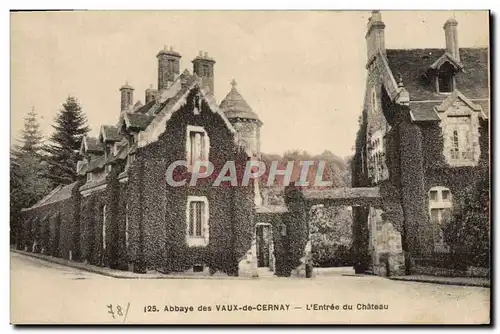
(110, 133)
(446, 57)
(137, 121)
(423, 112)
(412, 65)
(174, 103)
(91, 145)
(57, 194)
(97, 163)
(235, 106)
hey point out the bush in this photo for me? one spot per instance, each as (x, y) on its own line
(468, 233)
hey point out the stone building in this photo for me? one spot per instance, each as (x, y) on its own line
(123, 213)
(423, 138)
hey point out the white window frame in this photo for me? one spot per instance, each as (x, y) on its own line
(203, 240)
(376, 157)
(465, 145)
(206, 149)
(441, 205)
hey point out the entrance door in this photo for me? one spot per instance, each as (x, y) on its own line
(263, 236)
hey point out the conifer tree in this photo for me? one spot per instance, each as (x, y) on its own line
(27, 184)
(70, 127)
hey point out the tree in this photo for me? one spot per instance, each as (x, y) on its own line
(27, 186)
(70, 128)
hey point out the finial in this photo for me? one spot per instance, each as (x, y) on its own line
(233, 83)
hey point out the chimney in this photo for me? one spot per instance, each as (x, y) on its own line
(450, 33)
(127, 96)
(375, 40)
(150, 94)
(203, 66)
(168, 67)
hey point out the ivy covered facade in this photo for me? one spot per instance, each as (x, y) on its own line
(124, 214)
(423, 138)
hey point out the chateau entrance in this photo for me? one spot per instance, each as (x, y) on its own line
(263, 240)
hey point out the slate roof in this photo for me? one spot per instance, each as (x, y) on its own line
(96, 163)
(235, 106)
(145, 108)
(110, 133)
(94, 145)
(57, 194)
(137, 121)
(414, 66)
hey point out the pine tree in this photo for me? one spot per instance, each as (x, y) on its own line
(27, 185)
(70, 128)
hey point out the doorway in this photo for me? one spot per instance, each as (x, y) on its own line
(263, 240)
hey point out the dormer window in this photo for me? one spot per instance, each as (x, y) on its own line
(445, 78)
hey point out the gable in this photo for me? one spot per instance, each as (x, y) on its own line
(173, 104)
(458, 105)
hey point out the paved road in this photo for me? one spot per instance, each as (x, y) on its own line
(44, 292)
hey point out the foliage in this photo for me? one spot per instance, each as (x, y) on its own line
(70, 127)
(331, 236)
(26, 184)
(468, 233)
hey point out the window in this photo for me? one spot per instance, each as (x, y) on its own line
(197, 221)
(206, 71)
(433, 194)
(445, 80)
(376, 158)
(445, 195)
(440, 210)
(197, 145)
(460, 141)
(104, 227)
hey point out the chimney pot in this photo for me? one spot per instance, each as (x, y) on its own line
(451, 37)
(200, 53)
(206, 54)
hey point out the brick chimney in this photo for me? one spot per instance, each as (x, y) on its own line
(127, 96)
(451, 36)
(203, 66)
(375, 39)
(150, 94)
(168, 67)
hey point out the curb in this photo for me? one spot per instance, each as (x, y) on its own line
(119, 274)
(443, 282)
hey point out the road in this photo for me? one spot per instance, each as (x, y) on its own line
(44, 292)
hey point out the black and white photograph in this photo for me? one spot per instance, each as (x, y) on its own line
(250, 167)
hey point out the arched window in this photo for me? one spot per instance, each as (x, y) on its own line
(440, 210)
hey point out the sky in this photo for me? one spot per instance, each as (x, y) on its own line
(302, 72)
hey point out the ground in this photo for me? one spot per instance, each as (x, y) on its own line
(44, 292)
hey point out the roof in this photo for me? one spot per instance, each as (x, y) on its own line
(96, 163)
(235, 106)
(423, 111)
(57, 194)
(413, 65)
(137, 120)
(110, 133)
(145, 108)
(92, 144)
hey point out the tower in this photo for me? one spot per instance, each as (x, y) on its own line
(244, 120)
